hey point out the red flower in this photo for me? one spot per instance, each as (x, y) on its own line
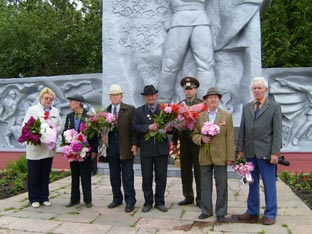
(305, 179)
(163, 106)
(46, 115)
(195, 115)
(80, 138)
(62, 171)
(175, 108)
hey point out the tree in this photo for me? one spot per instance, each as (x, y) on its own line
(287, 34)
(39, 37)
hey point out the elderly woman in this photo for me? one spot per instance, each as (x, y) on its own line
(80, 170)
(39, 157)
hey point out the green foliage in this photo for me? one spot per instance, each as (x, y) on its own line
(13, 179)
(287, 34)
(297, 181)
(39, 37)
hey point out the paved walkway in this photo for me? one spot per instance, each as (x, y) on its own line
(18, 217)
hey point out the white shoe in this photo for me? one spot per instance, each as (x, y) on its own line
(35, 204)
(46, 203)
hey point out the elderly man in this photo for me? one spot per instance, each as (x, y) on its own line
(121, 150)
(215, 154)
(260, 137)
(189, 151)
(154, 155)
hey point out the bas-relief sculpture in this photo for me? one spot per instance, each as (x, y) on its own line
(292, 88)
(139, 47)
(16, 95)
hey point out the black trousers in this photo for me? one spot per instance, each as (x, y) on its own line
(188, 161)
(81, 170)
(122, 170)
(94, 165)
(159, 165)
(38, 179)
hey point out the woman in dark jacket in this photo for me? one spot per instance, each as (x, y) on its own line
(82, 169)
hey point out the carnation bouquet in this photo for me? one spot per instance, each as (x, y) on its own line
(168, 113)
(244, 169)
(38, 132)
(209, 129)
(76, 146)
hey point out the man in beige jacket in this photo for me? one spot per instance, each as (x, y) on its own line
(215, 154)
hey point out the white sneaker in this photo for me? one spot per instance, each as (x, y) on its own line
(46, 203)
(35, 204)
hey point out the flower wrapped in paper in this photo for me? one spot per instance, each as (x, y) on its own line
(244, 169)
(188, 115)
(38, 132)
(209, 129)
(76, 146)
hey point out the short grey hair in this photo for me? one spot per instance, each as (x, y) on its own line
(259, 78)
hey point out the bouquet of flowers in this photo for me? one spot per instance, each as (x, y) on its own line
(168, 113)
(244, 169)
(48, 131)
(36, 132)
(188, 115)
(31, 132)
(209, 129)
(99, 123)
(76, 146)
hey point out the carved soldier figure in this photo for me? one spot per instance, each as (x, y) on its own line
(189, 29)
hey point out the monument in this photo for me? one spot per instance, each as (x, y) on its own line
(160, 41)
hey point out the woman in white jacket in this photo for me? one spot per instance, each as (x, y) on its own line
(39, 158)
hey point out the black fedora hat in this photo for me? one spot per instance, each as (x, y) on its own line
(149, 90)
(76, 97)
(212, 91)
(189, 82)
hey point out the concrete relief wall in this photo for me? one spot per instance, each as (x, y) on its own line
(16, 95)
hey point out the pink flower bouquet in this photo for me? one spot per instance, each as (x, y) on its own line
(99, 123)
(76, 146)
(188, 115)
(48, 131)
(244, 169)
(210, 129)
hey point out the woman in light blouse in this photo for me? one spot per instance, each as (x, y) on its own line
(39, 158)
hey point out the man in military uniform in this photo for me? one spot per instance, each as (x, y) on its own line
(188, 150)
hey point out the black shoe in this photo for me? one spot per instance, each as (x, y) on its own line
(185, 202)
(146, 208)
(70, 204)
(221, 219)
(161, 208)
(204, 216)
(129, 208)
(89, 205)
(114, 205)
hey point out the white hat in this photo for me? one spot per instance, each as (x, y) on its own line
(115, 89)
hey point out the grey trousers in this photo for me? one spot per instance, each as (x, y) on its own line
(220, 174)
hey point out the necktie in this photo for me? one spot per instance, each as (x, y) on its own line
(257, 108)
(115, 112)
(152, 109)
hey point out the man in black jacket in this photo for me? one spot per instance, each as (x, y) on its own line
(121, 150)
(154, 155)
(83, 169)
